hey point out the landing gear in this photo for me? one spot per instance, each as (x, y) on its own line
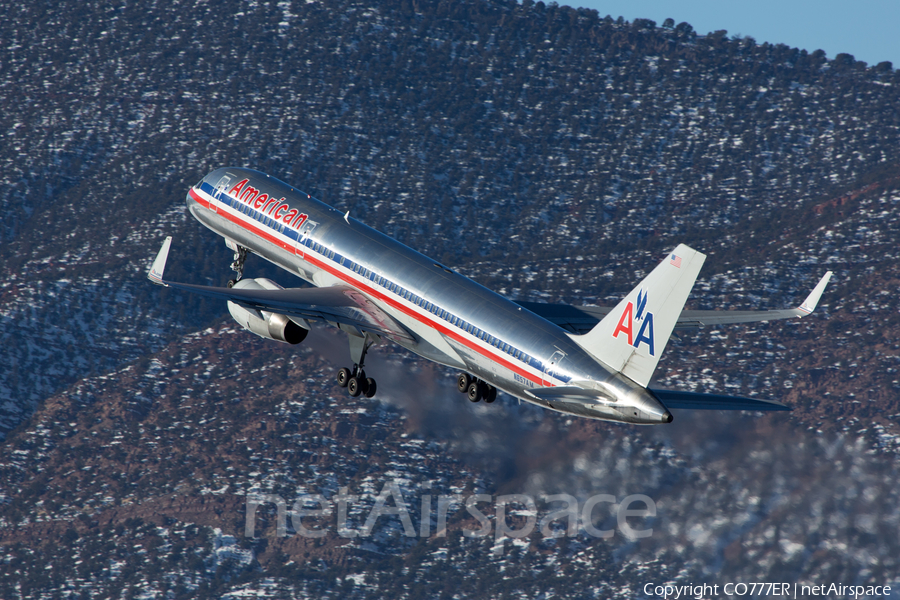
(240, 255)
(353, 387)
(473, 393)
(475, 389)
(491, 394)
(355, 380)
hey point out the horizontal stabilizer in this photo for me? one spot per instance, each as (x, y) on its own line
(700, 401)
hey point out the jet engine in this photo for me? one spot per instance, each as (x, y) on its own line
(265, 324)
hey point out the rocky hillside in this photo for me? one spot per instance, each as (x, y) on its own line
(472, 131)
(550, 153)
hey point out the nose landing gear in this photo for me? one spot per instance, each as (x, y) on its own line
(240, 255)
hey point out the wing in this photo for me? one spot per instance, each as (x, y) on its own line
(698, 401)
(340, 305)
(581, 319)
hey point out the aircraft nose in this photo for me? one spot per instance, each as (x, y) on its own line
(667, 417)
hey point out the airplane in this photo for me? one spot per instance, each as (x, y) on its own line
(586, 361)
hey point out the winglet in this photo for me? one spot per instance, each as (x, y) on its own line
(812, 300)
(159, 265)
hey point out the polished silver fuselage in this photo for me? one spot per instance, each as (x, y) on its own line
(449, 318)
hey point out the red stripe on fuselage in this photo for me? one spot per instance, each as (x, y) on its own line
(434, 324)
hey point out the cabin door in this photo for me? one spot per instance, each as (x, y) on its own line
(217, 195)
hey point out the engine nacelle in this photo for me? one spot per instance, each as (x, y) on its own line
(265, 324)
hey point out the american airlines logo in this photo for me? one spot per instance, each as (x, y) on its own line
(273, 207)
(629, 320)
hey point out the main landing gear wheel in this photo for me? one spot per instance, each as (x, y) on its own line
(473, 393)
(360, 384)
(475, 389)
(357, 383)
(355, 379)
(343, 377)
(491, 394)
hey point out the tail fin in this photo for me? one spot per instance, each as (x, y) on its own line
(632, 337)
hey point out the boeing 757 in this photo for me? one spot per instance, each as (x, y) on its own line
(586, 361)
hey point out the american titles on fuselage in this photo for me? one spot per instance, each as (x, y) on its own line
(275, 208)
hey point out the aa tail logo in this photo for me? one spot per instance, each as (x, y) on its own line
(629, 319)
(642, 303)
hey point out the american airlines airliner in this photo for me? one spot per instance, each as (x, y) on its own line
(586, 361)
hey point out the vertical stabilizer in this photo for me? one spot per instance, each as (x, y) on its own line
(632, 337)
